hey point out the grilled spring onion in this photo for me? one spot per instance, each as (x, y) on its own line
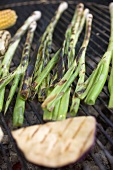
(76, 26)
(75, 100)
(74, 36)
(4, 67)
(69, 43)
(43, 56)
(98, 78)
(46, 71)
(19, 108)
(27, 80)
(46, 40)
(65, 98)
(58, 93)
(20, 73)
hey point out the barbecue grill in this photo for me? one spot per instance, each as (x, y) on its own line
(101, 156)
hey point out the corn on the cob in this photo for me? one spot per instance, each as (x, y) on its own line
(5, 37)
(8, 18)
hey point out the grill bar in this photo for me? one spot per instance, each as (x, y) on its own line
(36, 113)
(98, 125)
(99, 20)
(95, 9)
(110, 158)
(97, 161)
(104, 9)
(105, 134)
(100, 144)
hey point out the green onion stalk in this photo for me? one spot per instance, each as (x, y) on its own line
(46, 41)
(73, 26)
(76, 26)
(36, 84)
(62, 88)
(20, 71)
(65, 98)
(98, 77)
(27, 80)
(75, 23)
(74, 35)
(69, 44)
(45, 49)
(75, 100)
(5, 65)
(61, 72)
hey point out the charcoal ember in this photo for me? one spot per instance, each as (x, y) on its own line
(103, 139)
(5, 139)
(81, 113)
(28, 108)
(4, 166)
(17, 166)
(103, 159)
(101, 136)
(90, 165)
(13, 157)
(111, 118)
(96, 149)
(93, 111)
(10, 146)
(76, 166)
(38, 107)
(110, 132)
(1, 159)
(102, 95)
(109, 147)
(89, 158)
(31, 166)
(25, 123)
(31, 117)
(9, 123)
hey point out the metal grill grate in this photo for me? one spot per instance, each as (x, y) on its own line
(101, 156)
